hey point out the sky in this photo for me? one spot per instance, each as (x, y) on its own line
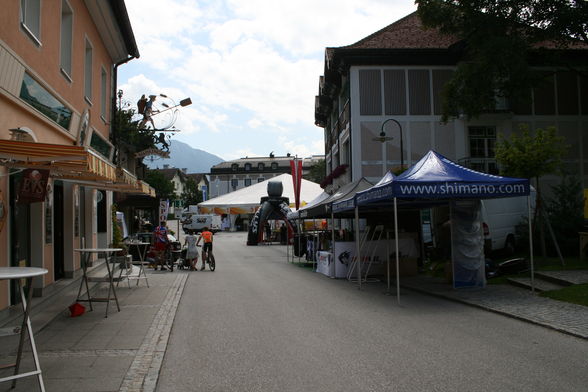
(250, 67)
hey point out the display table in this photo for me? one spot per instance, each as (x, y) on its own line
(27, 273)
(141, 248)
(107, 253)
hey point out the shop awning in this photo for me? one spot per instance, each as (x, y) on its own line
(64, 161)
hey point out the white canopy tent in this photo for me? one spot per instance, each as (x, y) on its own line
(246, 200)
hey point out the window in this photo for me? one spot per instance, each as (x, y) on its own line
(274, 165)
(101, 145)
(260, 179)
(103, 93)
(247, 181)
(260, 166)
(234, 167)
(248, 167)
(482, 141)
(66, 38)
(234, 183)
(30, 18)
(38, 97)
(88, 72)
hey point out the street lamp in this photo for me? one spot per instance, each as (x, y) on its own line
(382, 138)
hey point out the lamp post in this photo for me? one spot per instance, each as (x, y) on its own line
(383, 138)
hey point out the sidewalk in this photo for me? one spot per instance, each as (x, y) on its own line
(510, 301)
(123, 352)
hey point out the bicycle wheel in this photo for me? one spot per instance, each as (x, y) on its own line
(211, 263)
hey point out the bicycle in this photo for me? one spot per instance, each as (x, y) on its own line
(208, 258)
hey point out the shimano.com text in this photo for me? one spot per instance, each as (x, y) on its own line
(462, 189)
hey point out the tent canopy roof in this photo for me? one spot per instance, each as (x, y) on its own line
(251, 195)
(435, 177)
(322, 209)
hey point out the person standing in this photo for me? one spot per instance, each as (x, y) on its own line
(191, 250)
(160, 242)
(206, 237)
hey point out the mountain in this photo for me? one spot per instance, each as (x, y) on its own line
(184, 156)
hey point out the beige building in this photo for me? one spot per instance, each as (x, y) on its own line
(237, 174)
(58, 62)
(391, 82)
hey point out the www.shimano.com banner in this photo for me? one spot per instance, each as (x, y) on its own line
(461, 190)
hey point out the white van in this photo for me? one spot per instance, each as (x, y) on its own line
(197, 222)
(500, 218)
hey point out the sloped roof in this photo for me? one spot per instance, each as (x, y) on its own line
(170, 173)
(197, 177)
(405, 33)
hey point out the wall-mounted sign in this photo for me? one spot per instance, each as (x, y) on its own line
(83, 128)
(33, 186)
(152, 151)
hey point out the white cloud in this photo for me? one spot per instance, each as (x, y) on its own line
(250, 67)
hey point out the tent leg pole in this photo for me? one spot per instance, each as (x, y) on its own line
(333, 243)
(397, 254)
(388, 262)
(357, 249)
(531, 244)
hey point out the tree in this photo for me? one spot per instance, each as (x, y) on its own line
(127, 136)
(498, 39)
(191, 195)
(566, 213)
(532, 156)
(164, 188)
(317, 172)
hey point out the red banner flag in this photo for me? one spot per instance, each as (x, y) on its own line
(296, 169)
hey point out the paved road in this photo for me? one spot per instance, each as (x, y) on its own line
(259, 323)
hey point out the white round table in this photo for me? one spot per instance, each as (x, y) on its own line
(27, 273)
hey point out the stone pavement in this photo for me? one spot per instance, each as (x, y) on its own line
(123, 352)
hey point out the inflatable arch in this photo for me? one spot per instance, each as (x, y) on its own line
(272, 207)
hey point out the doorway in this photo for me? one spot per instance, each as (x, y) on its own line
(20, 234)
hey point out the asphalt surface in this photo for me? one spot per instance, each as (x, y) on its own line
(260, 323)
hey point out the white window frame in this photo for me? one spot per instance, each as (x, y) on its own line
(66, 40)
(88, 60)
(30, 19)
(103, 92)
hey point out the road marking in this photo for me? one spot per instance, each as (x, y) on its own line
(144, 371)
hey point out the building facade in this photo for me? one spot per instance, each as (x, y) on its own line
(389, 84)
(229, 176)
(58, 62)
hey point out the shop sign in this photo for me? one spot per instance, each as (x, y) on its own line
(33, 186)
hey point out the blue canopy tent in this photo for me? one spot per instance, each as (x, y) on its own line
(432, 180)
